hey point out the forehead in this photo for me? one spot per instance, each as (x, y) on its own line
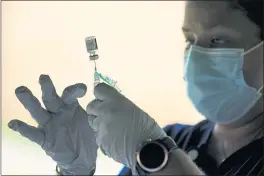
(206, 19)
(204, 13)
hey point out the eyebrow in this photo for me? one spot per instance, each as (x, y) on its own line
(184, 29)
(214, 30)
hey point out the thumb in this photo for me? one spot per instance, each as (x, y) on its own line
(32, 133)
(71, 93)
(104, 92)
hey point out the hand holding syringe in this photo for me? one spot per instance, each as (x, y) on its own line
(91, 46)
(107, 80)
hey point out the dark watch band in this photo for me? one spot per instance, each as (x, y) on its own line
(169, 143)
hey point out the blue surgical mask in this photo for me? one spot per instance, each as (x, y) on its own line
(215, 83)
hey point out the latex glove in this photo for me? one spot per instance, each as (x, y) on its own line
(122, 127)
(63, 131)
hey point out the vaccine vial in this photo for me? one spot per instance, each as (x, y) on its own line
(91, 47)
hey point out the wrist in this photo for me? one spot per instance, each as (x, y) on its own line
(184, 166)
(76, 171)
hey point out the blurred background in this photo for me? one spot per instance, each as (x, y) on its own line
(140, 45)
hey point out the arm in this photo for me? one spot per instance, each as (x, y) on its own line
(179, 164)
(171, 130)
(123, 128)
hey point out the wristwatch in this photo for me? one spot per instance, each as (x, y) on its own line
(154, 155)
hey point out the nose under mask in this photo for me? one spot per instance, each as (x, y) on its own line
(215, 83)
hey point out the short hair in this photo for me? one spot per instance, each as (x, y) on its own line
(254, 11)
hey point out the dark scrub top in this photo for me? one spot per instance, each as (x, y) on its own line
(248, 160)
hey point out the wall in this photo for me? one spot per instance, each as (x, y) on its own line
(140, 44)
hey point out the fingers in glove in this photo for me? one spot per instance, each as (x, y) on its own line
(71, 93)
(92, 107)
(32, 133)
(105, 92)
(50, 97)
(93, 122)
(32, 104)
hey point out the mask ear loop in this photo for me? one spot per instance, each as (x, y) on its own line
(253, 48)
(248, 51)
(261, 90)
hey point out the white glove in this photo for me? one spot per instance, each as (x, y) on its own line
(122, 127)
(63, 131)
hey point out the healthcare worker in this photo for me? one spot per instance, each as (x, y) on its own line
(223, 71)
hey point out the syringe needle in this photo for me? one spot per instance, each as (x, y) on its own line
(95, 69)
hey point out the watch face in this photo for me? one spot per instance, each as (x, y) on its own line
(152, 155)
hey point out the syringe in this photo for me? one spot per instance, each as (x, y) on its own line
(108, 80)
(91, 46)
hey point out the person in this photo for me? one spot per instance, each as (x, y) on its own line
(223, 71)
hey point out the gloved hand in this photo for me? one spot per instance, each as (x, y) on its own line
(121, 126)
(63, 131)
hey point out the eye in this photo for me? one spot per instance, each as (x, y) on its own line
(217, 42)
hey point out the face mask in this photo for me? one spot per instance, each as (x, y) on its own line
(215, 83)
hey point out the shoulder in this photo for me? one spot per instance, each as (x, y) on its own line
(189, 135)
